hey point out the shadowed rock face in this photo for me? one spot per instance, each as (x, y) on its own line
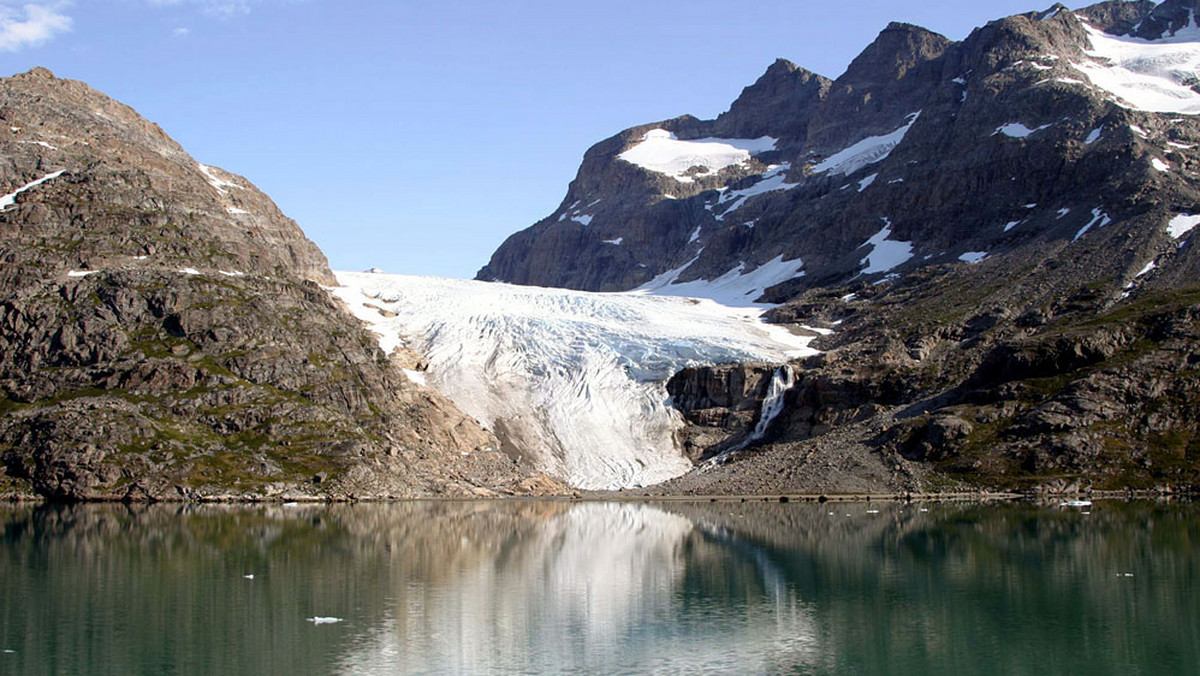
(163, 334)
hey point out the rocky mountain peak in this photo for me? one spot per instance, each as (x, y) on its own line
(105, 156)
(776, 104)
(1167, 19)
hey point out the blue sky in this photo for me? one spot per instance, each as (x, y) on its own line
(416, 136)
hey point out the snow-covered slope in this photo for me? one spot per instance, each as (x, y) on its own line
(575, 380)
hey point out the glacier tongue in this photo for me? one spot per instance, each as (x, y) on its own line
(574, 381)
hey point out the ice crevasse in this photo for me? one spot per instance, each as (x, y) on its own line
(574, 381)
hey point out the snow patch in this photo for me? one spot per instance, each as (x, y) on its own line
(865, 152)
(862, 185)
(231, 273)
(81, 273)
(189, 271)
(1063, 212)
(773, 179)
(616, 241)
(735, 288)
(973, 256)
(885, 254)
(1018, 130)
(417, 377)
(1146, 270)
(1181, 146)
(584, 220)
(210, 174)
(236, 211)
(576, 380)
(1151, 75)
(1182, 225)
(695, 235)
(1099, 220)
(1159, 165)
(1094, 136)
(11, 198)
(1010, 225)
(661, 152)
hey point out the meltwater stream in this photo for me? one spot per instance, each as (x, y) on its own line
(575, 380)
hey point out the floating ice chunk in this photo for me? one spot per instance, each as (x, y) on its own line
(867, 151)
(249, 576)
(11, 198)
(325, 620)
(661, 152)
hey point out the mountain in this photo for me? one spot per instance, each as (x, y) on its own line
(164, 333)
(998, 231)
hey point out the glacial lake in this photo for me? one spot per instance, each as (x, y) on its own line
(549, 587)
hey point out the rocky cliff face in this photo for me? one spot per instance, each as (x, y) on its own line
(163, 334)
(999, 231)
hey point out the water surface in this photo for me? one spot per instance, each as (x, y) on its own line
(560, 587)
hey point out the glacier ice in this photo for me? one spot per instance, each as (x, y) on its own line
(574, 381)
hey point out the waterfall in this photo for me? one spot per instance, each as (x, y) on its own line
(772, 404)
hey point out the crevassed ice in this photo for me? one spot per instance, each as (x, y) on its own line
(1151, 75)
(659, 151)
(574, 381)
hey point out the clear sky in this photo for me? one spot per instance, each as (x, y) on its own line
(416, 136)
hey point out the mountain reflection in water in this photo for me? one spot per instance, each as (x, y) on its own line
(552, 587)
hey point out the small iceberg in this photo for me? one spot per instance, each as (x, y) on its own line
(325, 620)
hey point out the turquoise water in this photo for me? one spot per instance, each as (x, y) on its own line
(560, 587)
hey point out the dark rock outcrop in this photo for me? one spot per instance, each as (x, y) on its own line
(163, 334)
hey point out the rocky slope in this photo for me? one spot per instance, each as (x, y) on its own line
(999, 230)
(164, 335)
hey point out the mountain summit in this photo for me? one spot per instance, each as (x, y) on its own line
(998, 232)
(163, 334)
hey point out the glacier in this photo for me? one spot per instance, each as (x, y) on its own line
(573, 382)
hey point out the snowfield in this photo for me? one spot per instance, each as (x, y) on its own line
(659, 151)
(574, 380)
(1151, 75)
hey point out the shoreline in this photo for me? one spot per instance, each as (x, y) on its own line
(783, 498)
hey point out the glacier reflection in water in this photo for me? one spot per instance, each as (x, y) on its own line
(562, 587)
(604, 587)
